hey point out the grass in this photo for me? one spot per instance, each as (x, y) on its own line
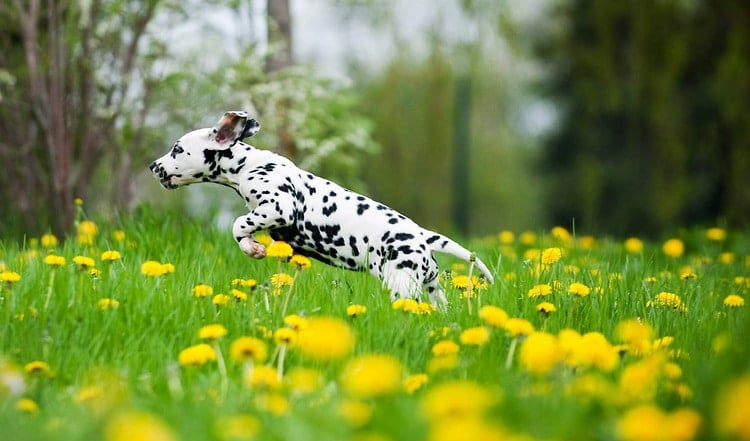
(114, 373)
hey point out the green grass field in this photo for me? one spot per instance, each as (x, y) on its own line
(578, 338)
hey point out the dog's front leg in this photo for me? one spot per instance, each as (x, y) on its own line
(261, 218)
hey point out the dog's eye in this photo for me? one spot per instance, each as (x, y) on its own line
(177, 149)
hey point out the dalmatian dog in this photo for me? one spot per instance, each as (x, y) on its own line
(319, 218)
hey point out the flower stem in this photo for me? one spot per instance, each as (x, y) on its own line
(289, 294)
(49, 289)
(222, 369)
(469, 287)
(511, 352)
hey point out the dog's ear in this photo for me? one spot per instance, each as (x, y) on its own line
(232, 127)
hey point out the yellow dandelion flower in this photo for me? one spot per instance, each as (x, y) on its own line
(355, 310)
(300, 261)
(152, 268)
(36, 366)
(456, 400)
(476, 336)
(633, 245)
(540, 290)
(248, 348)
(237, 427)
(212, 332)
(202, 290)
(262, 377)
(462, 282)
(561, 234)
(132, 425)
(197, 355)
(518, 326)
(87, 231)
(551, 255)
(546, 308)
(9, 276)
(727, 258)
(493, 316)
(279, 280)
(445, 347)
(442, 363)
(84, 262)
(636, 335)
(532, 254)
(54, 260)
(110, 255)
(285, 336)
(27, 405)
(48, 240)
(295, 322)
(304, 380)
(325, 338)
(732, 409)
(279, 249)
(263, 239)
(272, 402)
(673, 248)
(372, 375)
(527, 238)
(167, 268)
(667, 299)
(237, 295)
(412, 383)
(716, 234)
(220, 299)
(734, 301)
(540, 353)
(506, 237)
(579, 289)
(355, 412)
(245, 283)
(108, 303)
(118, 236)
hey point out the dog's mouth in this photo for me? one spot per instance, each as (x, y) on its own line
(165, 179)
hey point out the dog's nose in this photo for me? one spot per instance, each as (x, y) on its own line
(152, 166)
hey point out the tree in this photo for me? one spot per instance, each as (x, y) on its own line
(80, 71)
(654, 102)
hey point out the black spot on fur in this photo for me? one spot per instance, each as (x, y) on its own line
(361, 208)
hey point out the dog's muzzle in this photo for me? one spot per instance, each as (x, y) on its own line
(161, 174)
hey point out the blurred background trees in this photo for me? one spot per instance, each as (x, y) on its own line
(618, 117)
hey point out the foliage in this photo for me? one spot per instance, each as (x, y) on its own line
(157, 328)
(653, 126)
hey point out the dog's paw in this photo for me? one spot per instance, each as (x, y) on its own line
(252, 248)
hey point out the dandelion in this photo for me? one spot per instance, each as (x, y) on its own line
(673, 248)
(633, 245)
(220, 299)
(197, 355)
(727, 258)
(54, 260)
(355, 412)
(506, 237)
(36, 367)
(262, 377)
(476, 336)
(716, 234)
(27, 405)
(546, 308)
(457, 400)
(493, 316)
(279, 249)
(212, 332)
(518, 326)
(355, 310)
(280, 280)
(540, 290)
(445, 347)
(668, 299)
(551, 255)
(539, 353)
(237, 295)
(734, 301)
(325, 338)
(561, 234)
(108, 303)
(304, 381)
(636, 335)
(111, 255)
(412, 383)
(248, 349)
(295, 322)
(300, 261)
(732, 409)
(202, 290)
(237, 427)
(245, 283)
(372, 375)
(153, 268)
(579, 289)
(118, 236)
(285, 336)
(132, 425)
(167, 268)
(9, 277)
(87, 231)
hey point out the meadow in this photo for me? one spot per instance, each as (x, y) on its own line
(152, 327)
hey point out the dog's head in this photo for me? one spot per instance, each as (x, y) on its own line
(195, 156)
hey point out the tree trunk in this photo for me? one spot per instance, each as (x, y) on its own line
(280, 41)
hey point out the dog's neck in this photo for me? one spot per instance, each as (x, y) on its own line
(226, 166)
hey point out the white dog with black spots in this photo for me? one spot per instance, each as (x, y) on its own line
(319, 218)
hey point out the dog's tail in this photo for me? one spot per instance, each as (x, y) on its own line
(443, 244)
